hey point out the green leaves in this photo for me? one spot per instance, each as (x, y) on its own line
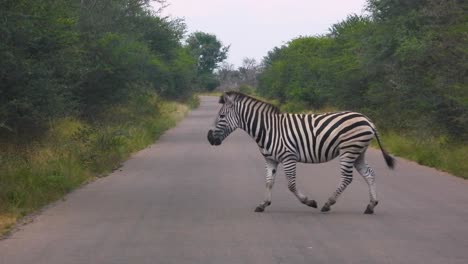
(405, 65)
(64, 57)
(208, 51)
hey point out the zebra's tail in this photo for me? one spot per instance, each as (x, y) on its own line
(388, 159)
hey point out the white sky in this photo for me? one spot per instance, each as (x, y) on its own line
(254, 27)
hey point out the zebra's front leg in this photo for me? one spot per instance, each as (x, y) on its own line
(270, 166)
(290, 171)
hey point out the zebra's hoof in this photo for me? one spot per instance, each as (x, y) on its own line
(311, 203)
(369, 210)
(325, 209)
(259, 209)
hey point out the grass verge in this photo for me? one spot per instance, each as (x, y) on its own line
(432, 152)
(75, 152)
(193, 102)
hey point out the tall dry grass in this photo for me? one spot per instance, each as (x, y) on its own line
(74, 152)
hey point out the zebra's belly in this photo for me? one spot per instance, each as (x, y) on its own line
(313, 159)
(270, 154)
(287, 154)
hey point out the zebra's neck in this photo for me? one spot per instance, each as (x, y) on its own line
(258, 119)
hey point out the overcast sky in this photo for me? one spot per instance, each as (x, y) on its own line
(253, 27)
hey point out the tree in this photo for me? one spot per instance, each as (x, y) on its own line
(243, 79)
(208, 51)
(248, 72)
(404, 65)
(227, 76)
(76, 58)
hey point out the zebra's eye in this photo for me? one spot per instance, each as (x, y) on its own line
(222, 116)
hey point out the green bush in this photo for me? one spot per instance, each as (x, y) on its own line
(247, 89)
(77, 59)
(403, 65)
(294, 107)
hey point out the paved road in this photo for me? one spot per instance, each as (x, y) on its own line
(184, 201)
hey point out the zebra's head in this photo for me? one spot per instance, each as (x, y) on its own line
(226, 122)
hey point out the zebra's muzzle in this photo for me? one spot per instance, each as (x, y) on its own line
(213, 140)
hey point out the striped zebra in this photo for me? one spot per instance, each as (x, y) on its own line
(307, 138)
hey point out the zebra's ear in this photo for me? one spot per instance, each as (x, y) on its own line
(225, 98)
(228, 98)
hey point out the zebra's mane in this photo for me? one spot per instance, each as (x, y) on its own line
(237, 96)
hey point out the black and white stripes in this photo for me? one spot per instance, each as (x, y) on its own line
(307, 138)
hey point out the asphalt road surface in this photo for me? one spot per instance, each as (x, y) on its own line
(184, 201)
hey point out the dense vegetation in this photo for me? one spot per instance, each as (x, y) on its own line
(404, 65)
(62, 58)
(82, 85)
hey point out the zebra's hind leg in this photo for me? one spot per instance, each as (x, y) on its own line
(346, 163)
(270, 167)
(369, 176)
(290, 171)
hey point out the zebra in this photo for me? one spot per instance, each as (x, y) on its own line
(307, 138)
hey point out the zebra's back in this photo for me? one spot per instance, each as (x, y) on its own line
(316, 138)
